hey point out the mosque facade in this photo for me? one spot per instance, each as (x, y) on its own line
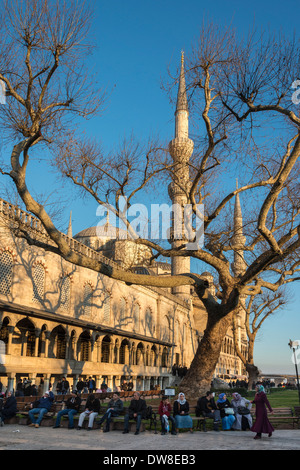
(58, 319)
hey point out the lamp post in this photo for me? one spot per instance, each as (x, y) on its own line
(295, 345)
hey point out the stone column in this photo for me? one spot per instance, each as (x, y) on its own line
(134, 379)
(11, 381)
(47, 341)
(37, 332)
(46, 385)
(9, 342)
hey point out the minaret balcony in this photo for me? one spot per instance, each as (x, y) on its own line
(181, 149)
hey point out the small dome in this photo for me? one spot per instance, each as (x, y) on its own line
(103, 231)
(206, 273)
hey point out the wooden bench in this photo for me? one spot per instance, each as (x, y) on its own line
(115, 420)
(284, 415)
(24, 414)
(281, 416)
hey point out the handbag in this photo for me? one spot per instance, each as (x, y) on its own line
(229, 411)
(243, 410)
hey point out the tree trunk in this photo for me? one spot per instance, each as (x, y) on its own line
(200, 374)
(253, 373)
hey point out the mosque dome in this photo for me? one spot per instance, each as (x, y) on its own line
(107, 231)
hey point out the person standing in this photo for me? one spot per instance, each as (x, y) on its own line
(262, 424)
(64, 386)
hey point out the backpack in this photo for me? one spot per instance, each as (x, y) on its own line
(149, 412)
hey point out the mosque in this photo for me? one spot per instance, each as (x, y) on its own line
(58, 319)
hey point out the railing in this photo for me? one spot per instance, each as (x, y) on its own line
(14, 213)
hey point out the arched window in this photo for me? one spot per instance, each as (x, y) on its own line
(105, 349)
(87, 299)
(164, 358)
(58, 342)
(38, 279)
(6, 272)
(85, 346)
(65, 293)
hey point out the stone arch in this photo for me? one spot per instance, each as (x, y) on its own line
(140, 352)
(25, 336)
(84, 346)
(105, 349)
(58, 342)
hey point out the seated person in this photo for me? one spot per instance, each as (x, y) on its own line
(9, 408)
(224, 404)
(114, 408)
(181, 410)
(71, 409)
(40, 407)
(164, 411)
(207, 407)
(92, 409)
(242, 407)
(137, 411)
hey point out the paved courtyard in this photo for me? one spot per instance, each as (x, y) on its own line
(14, 437)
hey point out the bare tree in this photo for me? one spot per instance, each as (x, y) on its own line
(255, 312)
(239, 93)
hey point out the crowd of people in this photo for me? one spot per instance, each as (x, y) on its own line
(226, 414)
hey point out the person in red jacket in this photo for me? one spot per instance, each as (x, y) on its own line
(262, 424)
(164, 411)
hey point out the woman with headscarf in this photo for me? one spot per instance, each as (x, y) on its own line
(181, 410)
(262, 424)
(242, 407)
(224, 406)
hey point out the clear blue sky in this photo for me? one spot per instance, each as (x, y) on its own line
(136, 42)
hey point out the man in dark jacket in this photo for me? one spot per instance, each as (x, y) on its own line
(137, 411)
(72, 407)
(9, 408)
(207, 407)
(114, 408)
(40, 407)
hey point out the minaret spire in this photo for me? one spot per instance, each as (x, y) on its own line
(181, 149)
(238, 240)
(182, 108)
(70, 231)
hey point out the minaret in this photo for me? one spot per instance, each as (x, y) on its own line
(70, 231)
(238, 240)
(181, 149)
(239, 265)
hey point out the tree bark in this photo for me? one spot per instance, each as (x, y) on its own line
(200, 374)
(253, 374)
